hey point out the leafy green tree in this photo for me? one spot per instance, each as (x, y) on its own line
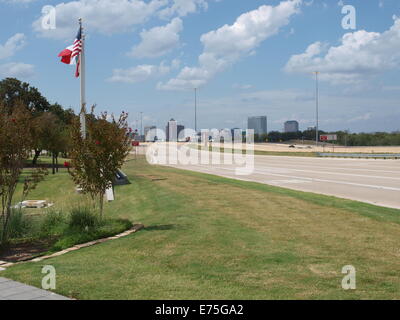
(14, 91)
(51, 134)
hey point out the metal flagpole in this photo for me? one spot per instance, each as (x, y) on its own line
(83, 78)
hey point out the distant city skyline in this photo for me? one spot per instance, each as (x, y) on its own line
(258, 123)
(291, 126)
(150, 55)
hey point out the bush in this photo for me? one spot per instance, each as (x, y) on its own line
(63, 230)
(74, 236)
(83, 218)
(53, 223)
(18, 225)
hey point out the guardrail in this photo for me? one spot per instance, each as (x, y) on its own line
(361, 155)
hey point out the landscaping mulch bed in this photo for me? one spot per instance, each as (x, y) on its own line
(17, 252)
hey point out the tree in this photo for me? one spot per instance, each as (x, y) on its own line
(66, 116)
(15, 144)
(96, 159)
(50, 134)
(13, 92)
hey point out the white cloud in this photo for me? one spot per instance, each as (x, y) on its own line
(226, 45)
(158, 41)
(142, 72)
(16, 70)
(183, 8)
(102, 16)
(360, 56)
(12, 45)
(18, 1)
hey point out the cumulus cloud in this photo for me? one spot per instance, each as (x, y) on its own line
(16, 70)
(103, 16)
(142, 72)
(225, 46)
(158, 41)
(183, 8)
(12, 45)
(360, 56)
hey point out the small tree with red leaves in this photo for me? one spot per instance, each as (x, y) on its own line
(96, 159)
(16, 143)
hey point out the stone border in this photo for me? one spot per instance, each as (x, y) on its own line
(135, 228)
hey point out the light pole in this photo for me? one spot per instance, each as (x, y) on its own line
(316, 107)
(141, 124)
(195, 110)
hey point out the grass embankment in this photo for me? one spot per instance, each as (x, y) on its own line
(209, 237)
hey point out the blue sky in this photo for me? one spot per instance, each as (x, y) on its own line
(248, 57)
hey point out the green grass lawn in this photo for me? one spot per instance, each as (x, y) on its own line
(209, 237)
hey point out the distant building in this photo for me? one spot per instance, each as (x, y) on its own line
(258, 124)
(291, 126)
(180, 129)
(149, 133)
(172, 130)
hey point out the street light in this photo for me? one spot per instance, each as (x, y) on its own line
(195, 110)
(316, 107)
(141, 124)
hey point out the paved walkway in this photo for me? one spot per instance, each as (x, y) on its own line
(12, 290)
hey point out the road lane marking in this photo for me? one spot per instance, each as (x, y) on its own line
(338, 168)
(371, 186)
(346, 174)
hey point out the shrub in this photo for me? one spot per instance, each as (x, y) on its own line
(17, 227)
(107, 228)
(53, 223)
(83, 218)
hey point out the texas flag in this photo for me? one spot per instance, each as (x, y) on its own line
(71, 55)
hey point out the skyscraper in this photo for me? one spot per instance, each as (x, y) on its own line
(291, 126)
(258, 124)
(172, 130)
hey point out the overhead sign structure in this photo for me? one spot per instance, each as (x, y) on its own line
(328, 137)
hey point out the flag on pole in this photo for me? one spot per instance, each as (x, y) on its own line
(71, 55)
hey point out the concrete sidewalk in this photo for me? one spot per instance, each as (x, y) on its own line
(12, 290)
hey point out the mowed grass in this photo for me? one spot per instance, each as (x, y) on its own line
(209, 237)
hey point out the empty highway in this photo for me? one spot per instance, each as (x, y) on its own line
(372, 181)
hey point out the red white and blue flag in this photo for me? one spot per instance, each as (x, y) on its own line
(72, 54)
